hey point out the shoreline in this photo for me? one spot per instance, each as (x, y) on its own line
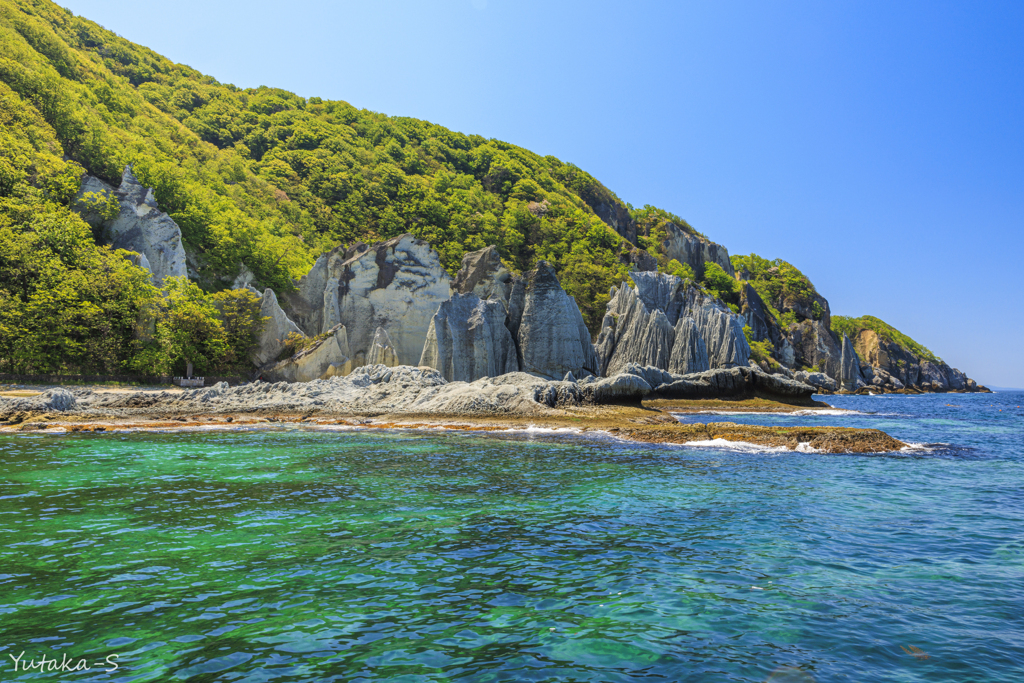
(629, 423)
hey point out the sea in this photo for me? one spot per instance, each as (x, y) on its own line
(300, 554)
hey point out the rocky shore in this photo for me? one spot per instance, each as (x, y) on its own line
(420, 397)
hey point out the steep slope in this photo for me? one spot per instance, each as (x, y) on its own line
(261, 183)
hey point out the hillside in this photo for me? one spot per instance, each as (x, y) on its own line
(262, 182)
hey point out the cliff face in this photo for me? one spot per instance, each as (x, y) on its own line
(137, 225)
(888, 365)
(663, 322)
(396, 286)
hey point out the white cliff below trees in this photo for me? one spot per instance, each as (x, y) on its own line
(139, 225)
(548, 328)
(396, 286)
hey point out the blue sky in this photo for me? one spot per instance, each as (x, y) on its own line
(878, 146)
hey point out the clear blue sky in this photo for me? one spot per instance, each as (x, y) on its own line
(878, 146)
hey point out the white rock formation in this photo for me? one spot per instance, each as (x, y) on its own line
(326, 358)
(275, 330)
(546, 323)
(484, 274)
(382, 350)
(140, 226)
(467, 339)
(395, 285)
(661, 322)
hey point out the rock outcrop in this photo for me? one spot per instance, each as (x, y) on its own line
(819, 380)
(551, 337)
(382, 350)
(887, 366)
(140, 226)
(849, 378)
(327, 357)
(662, 322)
(721, 382)
(57, 399)
(376, 390)
(688, 248)
(815, 347)
(467, 339)
(484, 275)
(275, 330)
(395, 285)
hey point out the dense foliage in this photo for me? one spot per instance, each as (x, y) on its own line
(851, 327)
(269, 180)
(719, 283)
(265, 178)
(788, 293)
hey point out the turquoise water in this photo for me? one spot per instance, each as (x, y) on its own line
(411, 556)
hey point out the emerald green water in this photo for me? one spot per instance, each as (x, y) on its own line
(367, 556)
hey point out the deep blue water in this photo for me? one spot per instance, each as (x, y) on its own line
(300, 555)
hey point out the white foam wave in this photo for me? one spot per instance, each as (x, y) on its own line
(738, 446)
(798, 413)
(922, 447)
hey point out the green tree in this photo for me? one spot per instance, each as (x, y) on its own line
(720, 283)
(239, 312)
(189, 330)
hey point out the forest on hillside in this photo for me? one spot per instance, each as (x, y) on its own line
(265, 180)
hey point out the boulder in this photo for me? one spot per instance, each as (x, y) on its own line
(275, 330)
(467, 339)
(139, 227)
(817, 379)
(722, 382)
(484, 275)
(395, 285)
(551, 337)
(382, 350)
(327, 357)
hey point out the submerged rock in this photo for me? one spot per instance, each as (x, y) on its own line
(140, 226)
(467, 339)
